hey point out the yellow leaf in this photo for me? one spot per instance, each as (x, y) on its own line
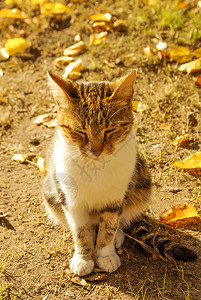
(41, 164)
(191, 162)
(35, 2)
(20, 157)
(101, 17)
(197, 53)
(179, 212)
(191, 67)
(181, 140)
(100, 26)
(54, 8)
(151, 2)
(11, 13)
(15, 45)
(75, 49)
(180, 54)
(74, 75)
(97, 38)
(139, 106)
(74, 67)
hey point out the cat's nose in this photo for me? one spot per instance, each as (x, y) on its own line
(96, 152)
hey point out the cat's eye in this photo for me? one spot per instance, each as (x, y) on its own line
(82, 133)
(108, 132)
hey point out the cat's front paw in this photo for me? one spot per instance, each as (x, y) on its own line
(109, 263)
(80, 266)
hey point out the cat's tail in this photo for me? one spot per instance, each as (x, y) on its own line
(164, 247)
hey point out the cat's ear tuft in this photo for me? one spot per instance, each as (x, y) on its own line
(63, 90)
(123, 87)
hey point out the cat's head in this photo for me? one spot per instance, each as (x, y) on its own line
(94, 115)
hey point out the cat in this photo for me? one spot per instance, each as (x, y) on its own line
(97, 183)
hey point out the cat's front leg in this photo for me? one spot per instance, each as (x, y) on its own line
(82, 262)
(107, 258)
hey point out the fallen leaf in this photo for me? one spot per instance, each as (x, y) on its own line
(101, 17)
(33, 159)
(2, 216)
(191, 67)
(51, 123)
(180, 54)
(75, 49)
(191, 162)
(139, 106)
(199, 3)
(161, 45)
(35, 2)
(97, 38)
(41, 164)
(20, 158)
(100, 26)
(198, 81)
(15, 45)
(164, 55)
(120, 24)
(197, 53)
(3, 54)
(11, 13)
(76, 279)
(74, 67)
(179, 212)
(97, 277)
(151, 2)
(181, 140)
(41, 119)
(63, 60)
(1, 71)
(182, 4)
(54, 8)
(147, 51)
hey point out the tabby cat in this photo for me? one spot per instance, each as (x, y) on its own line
(96, 182)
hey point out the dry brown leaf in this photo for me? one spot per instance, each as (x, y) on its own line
(97, 38)
(191, 67)
(191, 162)
(100, 26)
(198, 81)
(181, 54)
(20, 158)
(75, 49)
(76, 279)
(197, 53)
(182, 140)
(164, 55)
(179, 212)
(54, 8)
(101, 17)
(41, 119)
(15, 45)
(97, 277)
(120, 24)
(148, 51)
(1, 71)
(63, 60)
(73, 69)
(3, 54)
(139, 106)
(41, 164)
(2, 216)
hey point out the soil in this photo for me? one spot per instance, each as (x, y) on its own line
(34, 253)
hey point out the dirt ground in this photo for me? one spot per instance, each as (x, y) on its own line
(33, 251)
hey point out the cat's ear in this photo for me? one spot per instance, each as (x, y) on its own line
(123, 87)
(64, 91)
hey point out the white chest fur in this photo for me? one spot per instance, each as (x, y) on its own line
(94, 184)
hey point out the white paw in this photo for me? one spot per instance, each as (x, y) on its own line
(81, 267)
(119, 239)
(109, 263)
